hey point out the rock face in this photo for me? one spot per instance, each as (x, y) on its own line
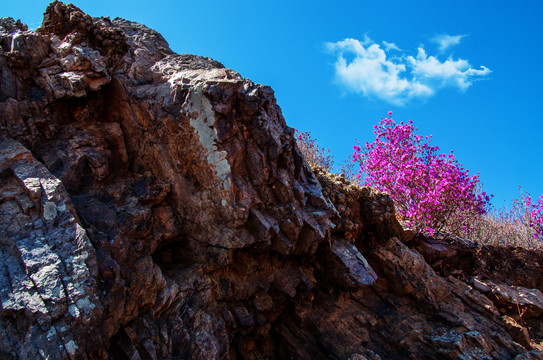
(156, 206)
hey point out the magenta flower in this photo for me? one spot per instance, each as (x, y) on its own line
(429, 189)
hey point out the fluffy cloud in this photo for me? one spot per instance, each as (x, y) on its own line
(454, 73)
(397, 80)
(444, 41)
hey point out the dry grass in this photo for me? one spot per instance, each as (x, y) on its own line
(508, 226)
(315, 155)
(502, 228)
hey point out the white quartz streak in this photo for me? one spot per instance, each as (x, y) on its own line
(204, 124)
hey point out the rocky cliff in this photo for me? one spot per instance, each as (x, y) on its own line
(156, 206)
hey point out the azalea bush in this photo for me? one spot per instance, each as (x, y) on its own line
(431, 190)
(535, 215)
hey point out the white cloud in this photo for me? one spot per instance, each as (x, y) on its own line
(444, 41)
(372, 74)
(454, 73)
(390, 46)
(397, 80)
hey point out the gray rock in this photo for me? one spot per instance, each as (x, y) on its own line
(49, 272)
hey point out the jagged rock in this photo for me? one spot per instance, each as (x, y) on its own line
(346, 266)
(156, 206)
(480, 285)
(527, 301)
(49, 273)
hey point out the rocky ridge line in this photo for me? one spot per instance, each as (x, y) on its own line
(155, 206)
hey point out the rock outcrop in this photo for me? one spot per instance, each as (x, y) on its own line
(156, 206)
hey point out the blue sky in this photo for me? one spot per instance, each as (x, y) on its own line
(467, 72)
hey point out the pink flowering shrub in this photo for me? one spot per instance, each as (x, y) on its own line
(430, 190)
(535, 215)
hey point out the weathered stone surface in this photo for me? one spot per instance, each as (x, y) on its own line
(345, 266)
(155, 206)
(528, 301)
(49, 273)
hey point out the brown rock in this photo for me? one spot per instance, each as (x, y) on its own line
(155, 206)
